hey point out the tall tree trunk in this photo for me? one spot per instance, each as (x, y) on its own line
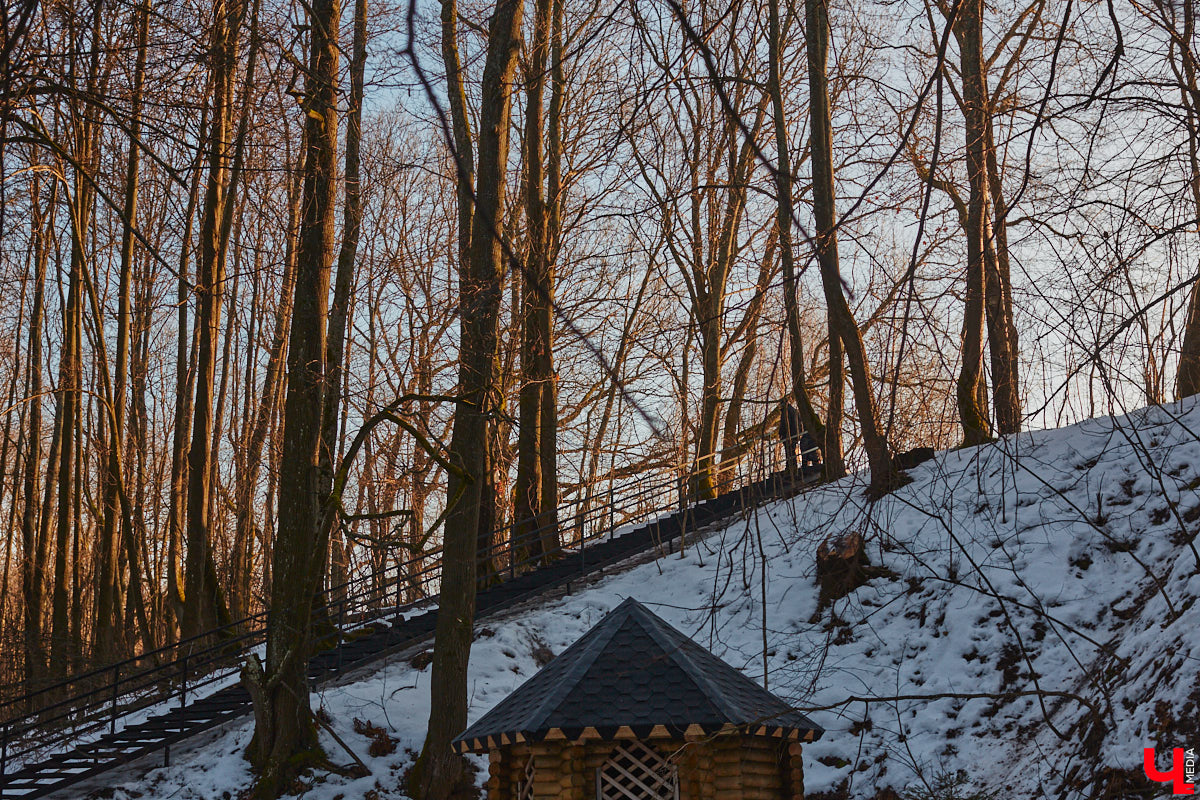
(439, 769)
(34, 542)
(204, 605)
(108, 646)
(970, 33)
(537, 362)
(336, 349)
(138, 544)
(64, 650)
(1002, 329)
(1187, 382)
(784, 209)
(464, 158)
(285, 734)
(883, 472)
(545, 311)
(185, 379)
(69, 384)
(263, 415)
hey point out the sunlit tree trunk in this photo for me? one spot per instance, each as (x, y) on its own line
(883, 472)
(108, 631)
(537, 412)
(969, 24)
(34, 541)
(438, 768)
(1002, 329)
(339, 312)
(1187, 381)
(204, 606)
(285, 736)
(784, 210)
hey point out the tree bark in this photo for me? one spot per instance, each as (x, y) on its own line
(285, 738)
(1187, 381)
(185, 379)
(545, 316)
(69, 388)
(970, 33)
(204, 605)
(107, 631)
(535, 512)
(884, 475)
(784, 209)
(336, 350)
(438, 768)
(1002, 329)
(34, 542)
(64, 647)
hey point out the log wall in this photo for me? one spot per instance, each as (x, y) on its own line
(728, 767)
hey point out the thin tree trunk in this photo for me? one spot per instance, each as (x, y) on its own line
(551, 535)
(709, 301)
(784, 208)
(731, 449)
(883, 473)
(263, 415)
(62, 650)
(835, 459)
(1187, 382)
(530, 514)
(1002, 329)
(185, 374)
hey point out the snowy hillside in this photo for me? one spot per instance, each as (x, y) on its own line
(1021, 584)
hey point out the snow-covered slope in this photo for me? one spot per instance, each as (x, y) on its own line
(1032, 627)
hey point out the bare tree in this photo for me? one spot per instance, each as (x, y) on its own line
(438, 769)
(284, 730)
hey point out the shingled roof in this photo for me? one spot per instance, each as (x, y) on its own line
(635, 675)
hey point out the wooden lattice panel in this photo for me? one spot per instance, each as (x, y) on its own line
(525, 785)
(635, 772)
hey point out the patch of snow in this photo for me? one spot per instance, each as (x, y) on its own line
(1024, 582)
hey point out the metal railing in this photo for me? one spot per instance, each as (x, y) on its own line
(89, 705)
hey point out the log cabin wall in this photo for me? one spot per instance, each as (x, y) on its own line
(730, 767)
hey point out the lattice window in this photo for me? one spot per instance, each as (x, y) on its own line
(635, 772)
(525, 785)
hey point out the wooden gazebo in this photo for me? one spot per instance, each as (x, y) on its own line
(635, 710)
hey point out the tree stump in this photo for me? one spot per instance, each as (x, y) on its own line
(841, 567)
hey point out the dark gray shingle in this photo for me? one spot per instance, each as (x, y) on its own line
(634, 669)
